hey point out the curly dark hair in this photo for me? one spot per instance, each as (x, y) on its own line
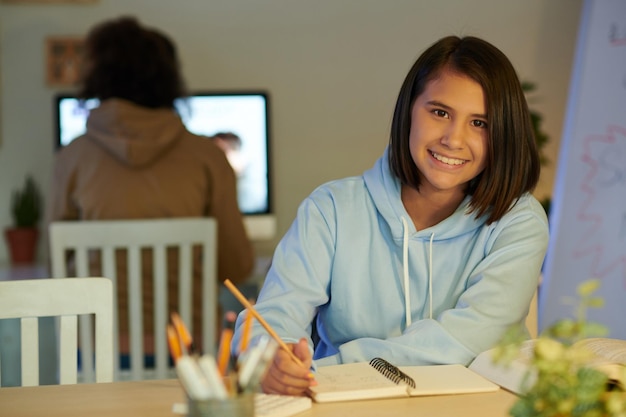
(512, 157)
(125, 60)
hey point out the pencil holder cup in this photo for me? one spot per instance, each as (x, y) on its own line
(237, 406)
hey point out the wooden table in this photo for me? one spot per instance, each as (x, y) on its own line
(155, 399)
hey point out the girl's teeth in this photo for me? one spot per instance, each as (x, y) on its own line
(449, 161)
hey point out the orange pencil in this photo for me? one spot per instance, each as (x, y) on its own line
(261, 320)
(173, 343)
(223, 354)
(247, 329)
(183, 332)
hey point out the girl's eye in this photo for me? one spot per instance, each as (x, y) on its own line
(440, 113)
(479, 123)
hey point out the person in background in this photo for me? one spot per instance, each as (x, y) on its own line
(138, 161)
(230, 143)
(434, 252)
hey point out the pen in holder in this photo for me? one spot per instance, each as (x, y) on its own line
(228, 396)
(212, 391)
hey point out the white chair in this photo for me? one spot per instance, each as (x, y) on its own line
(133, 236)
(66, 299)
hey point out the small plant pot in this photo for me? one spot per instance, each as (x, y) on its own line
(22, 243)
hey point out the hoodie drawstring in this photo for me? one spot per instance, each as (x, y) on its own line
(405, 265)
(430, 276)
(405, 270)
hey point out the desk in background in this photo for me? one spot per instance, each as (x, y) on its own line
(10, 273)
(155, 399)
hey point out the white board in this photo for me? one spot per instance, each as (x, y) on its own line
(588, 215)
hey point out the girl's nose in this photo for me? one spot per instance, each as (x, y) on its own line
(454, 136)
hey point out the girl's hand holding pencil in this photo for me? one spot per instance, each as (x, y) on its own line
(289, 372)
(284, 376)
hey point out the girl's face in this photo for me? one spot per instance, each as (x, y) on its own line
(448, 138)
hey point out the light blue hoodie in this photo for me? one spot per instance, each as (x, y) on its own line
(380, 288)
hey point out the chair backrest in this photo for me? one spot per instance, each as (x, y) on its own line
(66, 299)
(134, 236)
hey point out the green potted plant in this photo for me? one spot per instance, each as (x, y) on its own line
(561, 379)
(541, 137)
(22, 237)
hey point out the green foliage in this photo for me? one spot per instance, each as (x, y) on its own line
(564, 386)
(541, 137)
(26, 204)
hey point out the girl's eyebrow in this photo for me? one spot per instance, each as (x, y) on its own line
(448, 108)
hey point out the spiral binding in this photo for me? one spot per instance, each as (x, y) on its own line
(392, 372)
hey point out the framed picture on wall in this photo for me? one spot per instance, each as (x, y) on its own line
(64, 58)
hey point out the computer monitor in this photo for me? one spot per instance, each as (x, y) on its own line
(245, 114)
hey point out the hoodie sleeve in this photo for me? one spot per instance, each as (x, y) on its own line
(297, 281)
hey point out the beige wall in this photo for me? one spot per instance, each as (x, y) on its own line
(332, 67)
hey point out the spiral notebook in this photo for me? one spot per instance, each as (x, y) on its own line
(380, 379)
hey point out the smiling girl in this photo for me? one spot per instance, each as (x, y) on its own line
(429, 256)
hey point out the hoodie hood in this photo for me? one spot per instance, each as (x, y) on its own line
(137, 136)
(384, 188)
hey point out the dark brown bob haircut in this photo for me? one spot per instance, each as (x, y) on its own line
(513, 165)
(125, 60)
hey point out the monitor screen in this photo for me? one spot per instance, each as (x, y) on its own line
(244, 114)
